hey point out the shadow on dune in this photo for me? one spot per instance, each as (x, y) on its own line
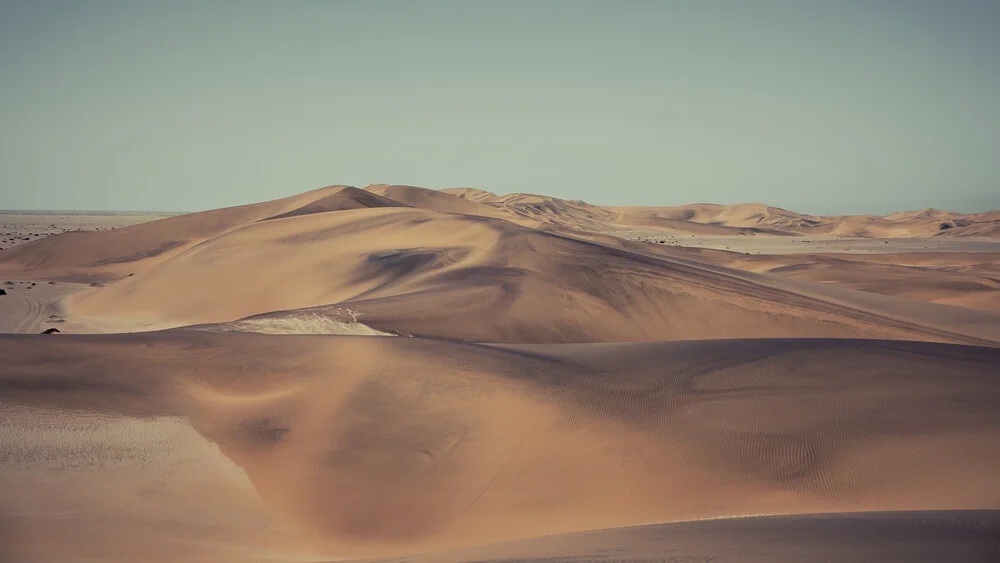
(395, 445)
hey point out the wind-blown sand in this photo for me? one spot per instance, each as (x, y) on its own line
(398, 371)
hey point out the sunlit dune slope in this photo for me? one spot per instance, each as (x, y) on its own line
(97, 256)
(424, 273)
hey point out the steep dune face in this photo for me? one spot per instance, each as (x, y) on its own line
(389, 445)
(474, 278)
(341, 200)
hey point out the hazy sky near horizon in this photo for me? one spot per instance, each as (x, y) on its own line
(836, 106)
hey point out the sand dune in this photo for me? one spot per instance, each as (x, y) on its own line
(439, 201)
(396, 445)
(756, 218)
(904, 537)
(103, 255)
(424, 273)
(393, 371)
(740, 219)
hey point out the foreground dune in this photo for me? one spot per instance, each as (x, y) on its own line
(887, 537)
(376, 445)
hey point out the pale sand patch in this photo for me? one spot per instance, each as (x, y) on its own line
(31, 307)
(300, 323)
(126, 488)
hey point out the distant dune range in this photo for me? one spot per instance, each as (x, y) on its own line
(523, 370)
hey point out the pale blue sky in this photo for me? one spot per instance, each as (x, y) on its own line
(823, 107)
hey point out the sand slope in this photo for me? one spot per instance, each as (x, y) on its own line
(425, 273)
(902, 537)
(562, 380)
(103, 255)
(419, 262)
(399, 445)
(967, 279)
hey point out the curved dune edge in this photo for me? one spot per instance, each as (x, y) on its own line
(889, 537)
(393, 446)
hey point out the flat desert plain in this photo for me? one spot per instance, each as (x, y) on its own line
(403, 374)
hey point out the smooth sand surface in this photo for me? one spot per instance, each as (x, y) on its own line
(93, 486)
(31, 307)
(396, 371)
(907, 537)
(380, 446)
(764, 244)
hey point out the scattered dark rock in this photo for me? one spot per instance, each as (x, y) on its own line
(3, 292)
(52, 283)
(51, 331)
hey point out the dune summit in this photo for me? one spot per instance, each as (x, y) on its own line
(459, 376)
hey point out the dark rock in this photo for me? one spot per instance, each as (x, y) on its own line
(51, 331)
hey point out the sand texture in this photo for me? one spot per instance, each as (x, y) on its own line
(401, 374)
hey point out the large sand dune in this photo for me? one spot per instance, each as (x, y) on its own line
(525, 371)
(426, 272)
(395, 445)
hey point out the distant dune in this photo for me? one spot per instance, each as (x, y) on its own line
(746, 218)
(398, 371)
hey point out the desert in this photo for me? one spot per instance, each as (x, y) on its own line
(440, 281)
(393, 371)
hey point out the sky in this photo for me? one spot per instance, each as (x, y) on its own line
(821, 107)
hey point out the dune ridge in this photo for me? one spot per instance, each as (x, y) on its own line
(427, 266)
